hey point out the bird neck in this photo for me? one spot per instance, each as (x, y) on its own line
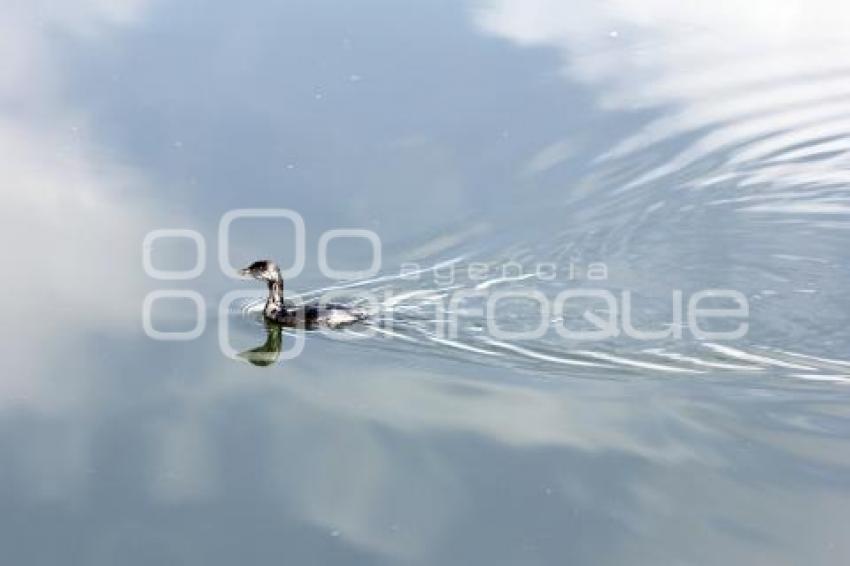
(275, 293)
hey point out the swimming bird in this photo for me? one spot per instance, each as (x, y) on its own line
(309, 316)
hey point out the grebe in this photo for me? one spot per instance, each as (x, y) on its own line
(309, 316)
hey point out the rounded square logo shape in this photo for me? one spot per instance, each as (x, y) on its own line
(181, 336)
(224, 238)
(345, 275)
(169, 275)
(224, 326)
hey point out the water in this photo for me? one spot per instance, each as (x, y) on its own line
(683, 148)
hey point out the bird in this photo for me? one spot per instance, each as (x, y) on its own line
(310, 316)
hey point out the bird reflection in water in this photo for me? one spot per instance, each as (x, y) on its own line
(268, 352)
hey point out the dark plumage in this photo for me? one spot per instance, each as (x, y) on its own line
(287, 314)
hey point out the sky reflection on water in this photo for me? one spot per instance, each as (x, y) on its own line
(686, 147)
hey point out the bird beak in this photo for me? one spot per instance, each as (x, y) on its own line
(245, 272)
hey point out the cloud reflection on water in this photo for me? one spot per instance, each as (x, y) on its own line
(737, 82)
(397, 460)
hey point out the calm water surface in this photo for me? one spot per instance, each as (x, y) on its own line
(685, 147)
